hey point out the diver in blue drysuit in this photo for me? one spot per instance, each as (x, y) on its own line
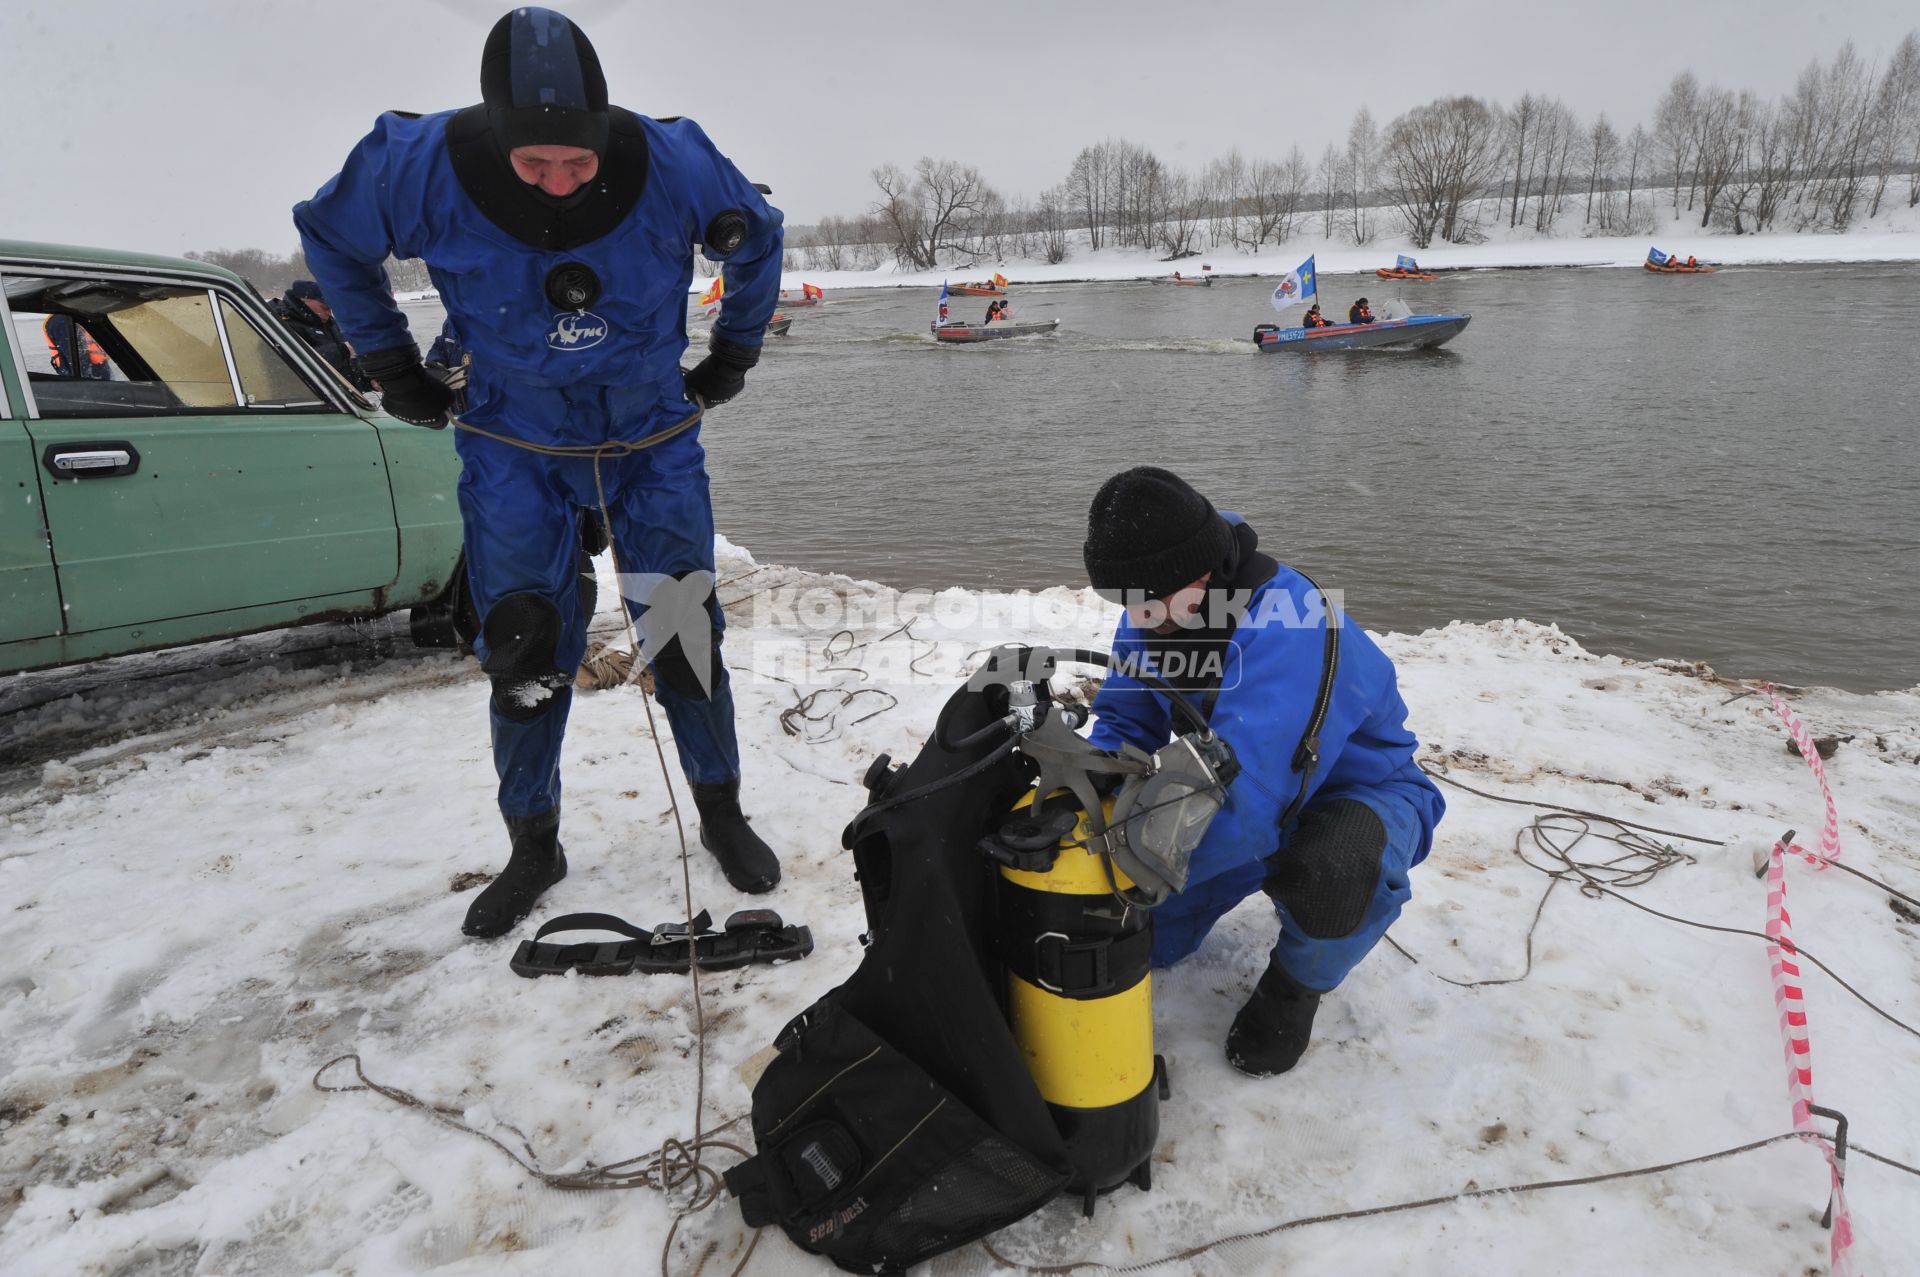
(1255, 657)
(559, 231)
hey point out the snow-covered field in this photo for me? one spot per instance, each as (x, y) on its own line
(192, 930)
(1893, 237)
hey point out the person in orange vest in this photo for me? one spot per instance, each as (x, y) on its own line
(73, 351)
(1691, 263)
(1315, 319)
(1359, 314)
(993, 311)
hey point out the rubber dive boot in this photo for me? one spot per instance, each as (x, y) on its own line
(748, 863)
(1270, 1034)
(538, 861)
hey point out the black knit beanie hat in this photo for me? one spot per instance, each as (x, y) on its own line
(1149, 531)
(542, 83)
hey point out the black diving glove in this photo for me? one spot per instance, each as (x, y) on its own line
(407, 390)
(722, 374)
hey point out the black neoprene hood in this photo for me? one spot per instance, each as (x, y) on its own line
(541, 81)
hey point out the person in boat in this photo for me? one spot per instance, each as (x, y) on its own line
(994, 311)
(1245, 638)
(1314, 319)
(1359, 314)
(1692, 264)
(560, 230)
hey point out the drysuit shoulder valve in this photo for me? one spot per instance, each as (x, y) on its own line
(1078, 994)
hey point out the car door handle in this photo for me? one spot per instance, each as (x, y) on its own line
(91, 460)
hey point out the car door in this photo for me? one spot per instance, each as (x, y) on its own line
(194, 469)
(29, 595)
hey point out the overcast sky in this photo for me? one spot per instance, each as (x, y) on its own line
(168, 125)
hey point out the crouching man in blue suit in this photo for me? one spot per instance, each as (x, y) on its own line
(1329, 813)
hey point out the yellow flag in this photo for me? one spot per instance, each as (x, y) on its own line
(999, 279)
(713, 294)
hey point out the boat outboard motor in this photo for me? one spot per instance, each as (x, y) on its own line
(995, 1046)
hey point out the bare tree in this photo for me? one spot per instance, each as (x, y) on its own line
(1557, 135)
(1724, 121)
(1766, 170)
(938, 209)
(1639, 153)
(869, 243)
(1827, 114)
(1896, 112)
(1052, 219)
(1179, 224)
(1519, 123)
(1675, 124)
(1221, 187)
(271, 274)
(1438, 157)
(1363, 152)
(1602, 155)
(899, 210)
(1328, 179)
(1289, 191)
(1271, 198)
(1089, 188)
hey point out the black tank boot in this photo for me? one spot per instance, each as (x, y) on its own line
(1270, 1034)
(748, 862)
(538, 861)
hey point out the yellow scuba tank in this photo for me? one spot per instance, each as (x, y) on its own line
(1078, 994)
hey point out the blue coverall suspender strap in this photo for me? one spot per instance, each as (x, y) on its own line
(1306, 759)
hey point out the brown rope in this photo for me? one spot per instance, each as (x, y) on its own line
(595, 451)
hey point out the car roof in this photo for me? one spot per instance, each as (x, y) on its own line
(30, 253)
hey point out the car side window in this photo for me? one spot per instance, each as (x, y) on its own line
(61, 346)
(266, 378)
(139, 348)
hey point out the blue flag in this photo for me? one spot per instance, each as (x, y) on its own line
(943, 304)
(1657, 257)
(1406, 263)
(1295, 286)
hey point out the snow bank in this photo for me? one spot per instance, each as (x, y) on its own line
(191, 931)
(1893, 237)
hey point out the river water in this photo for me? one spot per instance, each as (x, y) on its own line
(1721, 468)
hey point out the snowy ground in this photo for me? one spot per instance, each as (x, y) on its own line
(1893, 237)
(193, 928)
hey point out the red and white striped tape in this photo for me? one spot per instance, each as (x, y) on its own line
(1789, 998)
(1829, 832)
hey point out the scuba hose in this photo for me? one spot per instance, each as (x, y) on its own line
(1009, 723)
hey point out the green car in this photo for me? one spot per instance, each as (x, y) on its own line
(176, 466)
